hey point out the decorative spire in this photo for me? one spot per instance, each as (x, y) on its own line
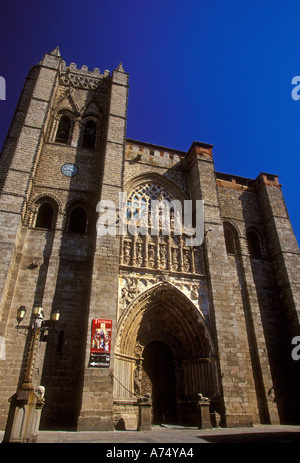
(55, 52)
(120, 67)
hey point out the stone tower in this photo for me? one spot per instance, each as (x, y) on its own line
(63, 153)
(215, 318)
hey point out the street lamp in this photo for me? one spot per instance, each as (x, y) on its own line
(27, 402)
(37, 311)
(55, 315)
(21, 313)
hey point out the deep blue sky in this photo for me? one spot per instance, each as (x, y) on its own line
(217, 71)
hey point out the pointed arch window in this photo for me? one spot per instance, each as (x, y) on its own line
(154, 210)
(139, 201)
(89, 134)
(231, 239)
(255, 246)
(63, 130)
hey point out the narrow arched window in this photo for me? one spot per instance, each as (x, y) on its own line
(254, 244)
(231, 239)
(63, 130)
(78, 220)
(45, 216)
(89, 134)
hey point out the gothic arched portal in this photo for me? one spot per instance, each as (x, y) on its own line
(161, 326)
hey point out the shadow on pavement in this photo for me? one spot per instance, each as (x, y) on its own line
(259, 437)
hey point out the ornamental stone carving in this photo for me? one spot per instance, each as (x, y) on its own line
(84, 81)
(133, 285)
(162, 253)
(156, 238)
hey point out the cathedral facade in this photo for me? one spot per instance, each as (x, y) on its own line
(140, 313)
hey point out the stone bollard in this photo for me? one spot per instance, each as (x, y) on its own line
(203, 413)
(145, 409)
(24, 416)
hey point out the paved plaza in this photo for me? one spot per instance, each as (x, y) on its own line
(176, 435)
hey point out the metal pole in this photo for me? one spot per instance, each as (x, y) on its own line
(27, 381)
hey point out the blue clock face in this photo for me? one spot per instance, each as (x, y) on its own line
(69, 170)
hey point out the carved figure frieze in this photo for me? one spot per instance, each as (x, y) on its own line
(151, 252)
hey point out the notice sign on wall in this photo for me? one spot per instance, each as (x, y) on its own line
(100, 343)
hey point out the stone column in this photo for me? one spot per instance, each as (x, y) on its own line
(145, 409)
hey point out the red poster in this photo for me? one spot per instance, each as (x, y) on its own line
(101, 336)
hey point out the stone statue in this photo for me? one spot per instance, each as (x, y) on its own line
(137, 380)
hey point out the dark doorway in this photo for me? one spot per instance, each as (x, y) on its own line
(159, 380)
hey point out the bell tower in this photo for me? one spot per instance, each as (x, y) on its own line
(63, 153)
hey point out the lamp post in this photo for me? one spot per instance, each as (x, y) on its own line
(27, 403)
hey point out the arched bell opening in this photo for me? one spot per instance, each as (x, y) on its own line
(164, 347)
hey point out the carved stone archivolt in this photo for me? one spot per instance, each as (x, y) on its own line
(160, 311)
(131, 285)
(162, 335)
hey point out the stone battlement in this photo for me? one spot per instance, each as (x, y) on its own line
(142, 148)
(84, 70)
